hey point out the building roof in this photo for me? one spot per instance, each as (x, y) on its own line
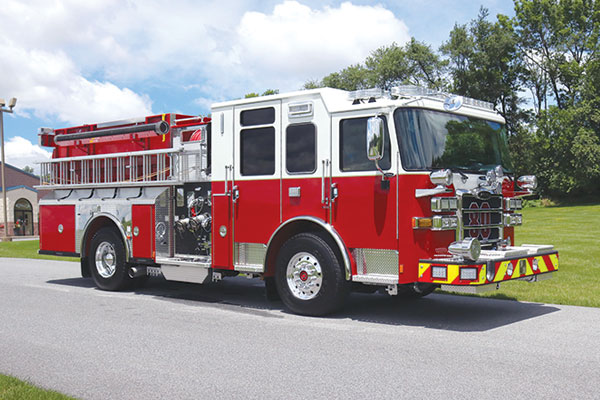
(20, 170)
(8, 189)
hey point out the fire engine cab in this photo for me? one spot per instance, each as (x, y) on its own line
(317, 192)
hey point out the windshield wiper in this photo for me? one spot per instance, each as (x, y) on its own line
(459, 171)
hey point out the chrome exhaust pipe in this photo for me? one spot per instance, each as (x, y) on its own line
(135, 272)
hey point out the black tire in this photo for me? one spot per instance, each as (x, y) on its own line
(415, 290)
(310, 278)
(107, 261)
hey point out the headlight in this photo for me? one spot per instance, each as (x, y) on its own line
(468, 274)
(441, 204)
(513, 219)
(512, 204)
(439, 272)
(443, 222)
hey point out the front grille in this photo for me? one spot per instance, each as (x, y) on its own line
(482, 218)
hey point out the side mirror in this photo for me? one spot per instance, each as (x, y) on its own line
(375, 131)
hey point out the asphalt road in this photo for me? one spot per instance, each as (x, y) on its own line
(174, 340)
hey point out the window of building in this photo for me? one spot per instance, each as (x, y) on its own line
(257, 151)
(353, 146)
(258, 116)
(301, 148)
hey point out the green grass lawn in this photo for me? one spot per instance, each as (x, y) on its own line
(27, 249)
(575, 233)
(14, 389)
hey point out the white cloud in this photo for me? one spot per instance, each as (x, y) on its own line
(20, 152)
(298, 41)
(50, 85)
(74, 60)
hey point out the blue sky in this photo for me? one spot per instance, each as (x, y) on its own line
(71, 62)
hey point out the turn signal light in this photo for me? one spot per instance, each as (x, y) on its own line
(422, 223)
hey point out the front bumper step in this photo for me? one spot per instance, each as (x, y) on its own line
(527, 262)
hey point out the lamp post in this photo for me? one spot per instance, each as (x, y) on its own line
(11, 104)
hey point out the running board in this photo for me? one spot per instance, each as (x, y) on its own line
(185, 270)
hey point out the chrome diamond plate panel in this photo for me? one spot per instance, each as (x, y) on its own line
(250, 255)
(376, 261)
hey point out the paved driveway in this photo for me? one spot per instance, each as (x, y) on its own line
(175, 340)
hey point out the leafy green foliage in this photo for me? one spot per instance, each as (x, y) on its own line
(267, 92)
(414, 63)
(559, 39)
(484, 64)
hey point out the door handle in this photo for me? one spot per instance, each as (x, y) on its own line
(324, 198)
(235, 193)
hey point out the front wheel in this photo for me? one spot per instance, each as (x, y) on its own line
(107, 261)
(309, 277)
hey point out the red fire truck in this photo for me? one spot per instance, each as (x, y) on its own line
(317, 192)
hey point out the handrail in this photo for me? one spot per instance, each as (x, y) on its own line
(113, 155)
(139, 168)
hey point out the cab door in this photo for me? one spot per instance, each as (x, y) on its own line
(306, 155)
(256, 191)
(364, 211)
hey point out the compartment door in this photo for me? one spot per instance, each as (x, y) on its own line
(57, 228)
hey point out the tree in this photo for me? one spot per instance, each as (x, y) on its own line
(350, 78)
(414, 63)
(28, 169)
(559, 41)
(484, 65)
(267, 92)
(558, 38)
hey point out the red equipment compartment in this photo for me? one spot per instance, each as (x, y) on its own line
(57, 228)
(142, 217)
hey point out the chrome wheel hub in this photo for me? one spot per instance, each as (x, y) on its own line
(106, 260)
(304, 276)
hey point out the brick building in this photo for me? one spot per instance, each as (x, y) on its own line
(22, 202)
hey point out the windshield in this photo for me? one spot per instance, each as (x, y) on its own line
(431, 139)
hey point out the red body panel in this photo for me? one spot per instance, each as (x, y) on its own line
(257, 211)
(309, 202)
(364, 214)
(50, 237)
(143, 219)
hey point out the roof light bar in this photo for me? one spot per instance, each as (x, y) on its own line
(412, 91)
(373, 93)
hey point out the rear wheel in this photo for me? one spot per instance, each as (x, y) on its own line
(310, 279)
(107, 261)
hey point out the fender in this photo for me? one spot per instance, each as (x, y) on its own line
(328, 228)
(115, 222)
